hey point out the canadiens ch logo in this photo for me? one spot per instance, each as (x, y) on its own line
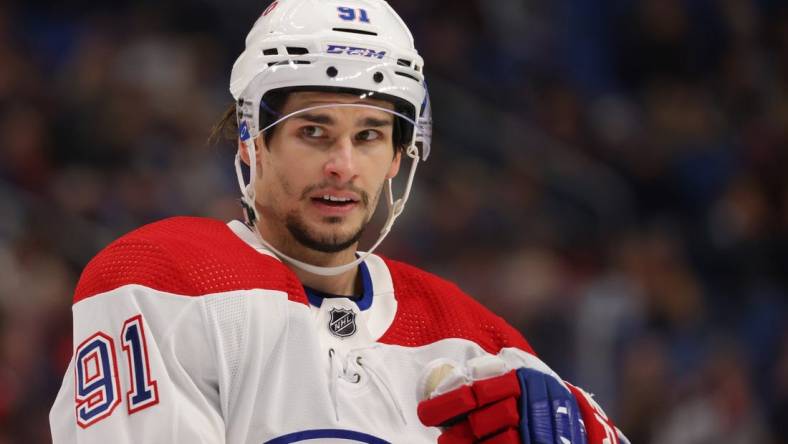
(342, 322)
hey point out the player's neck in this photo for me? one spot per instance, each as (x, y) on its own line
(341, 284)
(344, 284)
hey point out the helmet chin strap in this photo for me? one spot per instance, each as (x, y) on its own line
(395, 208)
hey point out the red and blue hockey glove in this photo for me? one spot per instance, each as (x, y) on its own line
(485, 402)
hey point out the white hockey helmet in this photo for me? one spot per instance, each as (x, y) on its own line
(357, 46)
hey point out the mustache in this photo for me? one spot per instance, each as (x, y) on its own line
(363, 195)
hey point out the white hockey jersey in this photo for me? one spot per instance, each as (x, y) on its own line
(188, 331)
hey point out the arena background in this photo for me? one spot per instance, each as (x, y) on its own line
(610, 176)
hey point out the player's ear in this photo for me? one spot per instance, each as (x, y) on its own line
(258, 142)
(395, 163)
(243, 152)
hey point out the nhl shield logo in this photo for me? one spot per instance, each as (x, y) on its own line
(342, 322)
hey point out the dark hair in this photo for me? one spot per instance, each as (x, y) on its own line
(226, 129)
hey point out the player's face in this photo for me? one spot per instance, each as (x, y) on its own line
(322, 174)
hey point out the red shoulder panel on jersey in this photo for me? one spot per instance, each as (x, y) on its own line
(187, 256)
(431, 309)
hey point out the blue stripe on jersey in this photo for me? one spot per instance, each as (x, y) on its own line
(327, 433)
(316, 297)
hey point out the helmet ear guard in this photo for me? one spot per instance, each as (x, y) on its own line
(423, 138)
(247, 190)
(309, 45)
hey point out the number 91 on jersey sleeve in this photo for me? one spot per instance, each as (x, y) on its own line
(97, 387)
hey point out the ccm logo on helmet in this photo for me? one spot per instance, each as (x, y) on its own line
(355, 51)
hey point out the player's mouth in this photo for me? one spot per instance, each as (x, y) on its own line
(335, 204)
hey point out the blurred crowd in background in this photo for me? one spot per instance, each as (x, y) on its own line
(610, 176)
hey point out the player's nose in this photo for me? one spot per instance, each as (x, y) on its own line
(341, 163)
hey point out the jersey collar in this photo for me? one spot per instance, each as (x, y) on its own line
(364, 302)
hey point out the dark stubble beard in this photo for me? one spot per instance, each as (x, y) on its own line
(330, 243)
(324, 244)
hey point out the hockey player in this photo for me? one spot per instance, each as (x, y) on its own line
(276, 329)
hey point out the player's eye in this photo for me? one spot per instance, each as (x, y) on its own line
(312, 132)
(368, 135)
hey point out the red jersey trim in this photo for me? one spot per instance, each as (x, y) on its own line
(187, 256)
(430, 309)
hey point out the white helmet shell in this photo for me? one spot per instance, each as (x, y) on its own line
(360, 45)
